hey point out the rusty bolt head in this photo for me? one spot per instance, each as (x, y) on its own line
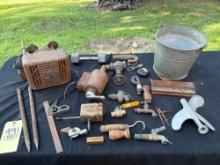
(53, 45)
(119, 79)
(31, 48)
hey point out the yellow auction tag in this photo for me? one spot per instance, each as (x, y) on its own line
(10, 137)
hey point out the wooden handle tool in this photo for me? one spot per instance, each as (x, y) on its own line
(147, 94)
(118, 113)
(130, 105)
(109, 127)
(53, 129)
(119, 134)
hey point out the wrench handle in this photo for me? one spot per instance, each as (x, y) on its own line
(109, 127)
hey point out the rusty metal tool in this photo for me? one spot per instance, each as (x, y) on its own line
(93, 83)
(33, 118)
(130, 58)
(136, 81)
(118, 67)
(162, 117)
(24, 120)
(53, 129)
(109, 127)
(131, 68)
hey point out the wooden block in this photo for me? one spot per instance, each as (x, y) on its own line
(119, 134)
(92, 112)
(53, 129)
(172, 88)
(95, 140)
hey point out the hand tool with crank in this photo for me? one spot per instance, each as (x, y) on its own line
(189, 112)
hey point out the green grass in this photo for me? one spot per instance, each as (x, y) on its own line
(73, 24)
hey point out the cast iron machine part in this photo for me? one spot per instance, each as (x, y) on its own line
(30, 50)
(93, 83)
(44, 68)
(118, 67)
(100, 58)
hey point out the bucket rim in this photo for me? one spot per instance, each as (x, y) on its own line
(204, 39)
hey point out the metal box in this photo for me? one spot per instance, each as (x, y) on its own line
(46, 68)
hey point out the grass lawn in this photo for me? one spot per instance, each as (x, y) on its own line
(73, 24)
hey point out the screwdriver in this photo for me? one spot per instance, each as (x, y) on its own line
(130, 104)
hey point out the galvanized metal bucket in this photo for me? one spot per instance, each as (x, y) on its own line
(177, 48)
